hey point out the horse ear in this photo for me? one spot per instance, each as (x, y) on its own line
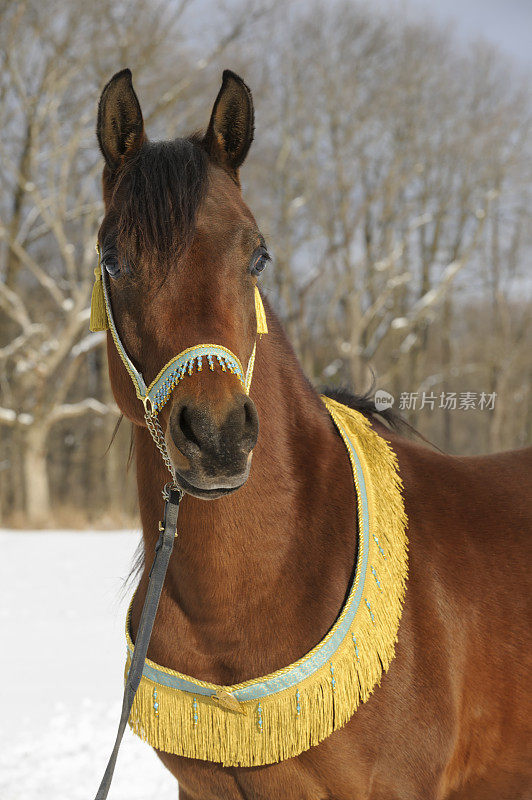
(231, 127)
(120, 127)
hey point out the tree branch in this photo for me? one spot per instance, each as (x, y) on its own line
(90, 404)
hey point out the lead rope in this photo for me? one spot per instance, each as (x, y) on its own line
(163, 550)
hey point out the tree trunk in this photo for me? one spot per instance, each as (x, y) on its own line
(446, 361)
(36, 485)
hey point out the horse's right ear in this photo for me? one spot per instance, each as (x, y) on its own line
(120, 127)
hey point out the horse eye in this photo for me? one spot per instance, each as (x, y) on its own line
(111, 265)
(259, 260)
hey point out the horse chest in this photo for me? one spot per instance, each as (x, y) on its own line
(290, 780)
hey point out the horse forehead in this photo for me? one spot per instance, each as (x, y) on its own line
(224, 230)
(224, 244)
(223, 207)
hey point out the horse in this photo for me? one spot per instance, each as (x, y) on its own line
(265, 548)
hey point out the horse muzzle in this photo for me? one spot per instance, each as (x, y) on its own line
(211, 452)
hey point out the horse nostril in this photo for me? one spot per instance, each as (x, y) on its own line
(185, 424)
(251, 422)
(248, 411)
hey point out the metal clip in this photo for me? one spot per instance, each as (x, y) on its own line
(228, 702)
(148, 406)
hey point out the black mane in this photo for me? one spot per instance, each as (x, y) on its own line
(366, 405)
(160, 190)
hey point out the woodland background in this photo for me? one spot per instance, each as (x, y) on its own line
(391, 175)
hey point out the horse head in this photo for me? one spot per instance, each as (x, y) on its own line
(182, 253)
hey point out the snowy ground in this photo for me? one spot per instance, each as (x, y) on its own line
(62, 657)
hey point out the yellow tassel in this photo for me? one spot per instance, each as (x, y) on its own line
(290, 721)
(98, 321)
(262, 325)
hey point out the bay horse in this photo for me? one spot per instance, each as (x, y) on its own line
(258, 576)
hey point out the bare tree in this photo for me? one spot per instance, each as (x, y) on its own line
(391, 176)
(387, 177)
(51, 77)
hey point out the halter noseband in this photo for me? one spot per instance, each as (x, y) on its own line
(154, 396)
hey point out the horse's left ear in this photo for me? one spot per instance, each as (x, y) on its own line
(230, 130)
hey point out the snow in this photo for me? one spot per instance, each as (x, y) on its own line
(62, 611)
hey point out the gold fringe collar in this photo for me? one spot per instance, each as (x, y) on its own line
(280, 715)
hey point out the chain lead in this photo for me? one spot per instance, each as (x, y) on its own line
(157, 434)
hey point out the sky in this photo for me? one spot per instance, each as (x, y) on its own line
(507, 23)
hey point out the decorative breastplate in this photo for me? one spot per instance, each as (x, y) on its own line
(276, 716)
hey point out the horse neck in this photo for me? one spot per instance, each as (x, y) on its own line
(276, 556)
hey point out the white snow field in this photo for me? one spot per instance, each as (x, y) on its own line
(61, 669)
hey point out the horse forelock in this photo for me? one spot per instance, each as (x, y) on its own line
(156, 195)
